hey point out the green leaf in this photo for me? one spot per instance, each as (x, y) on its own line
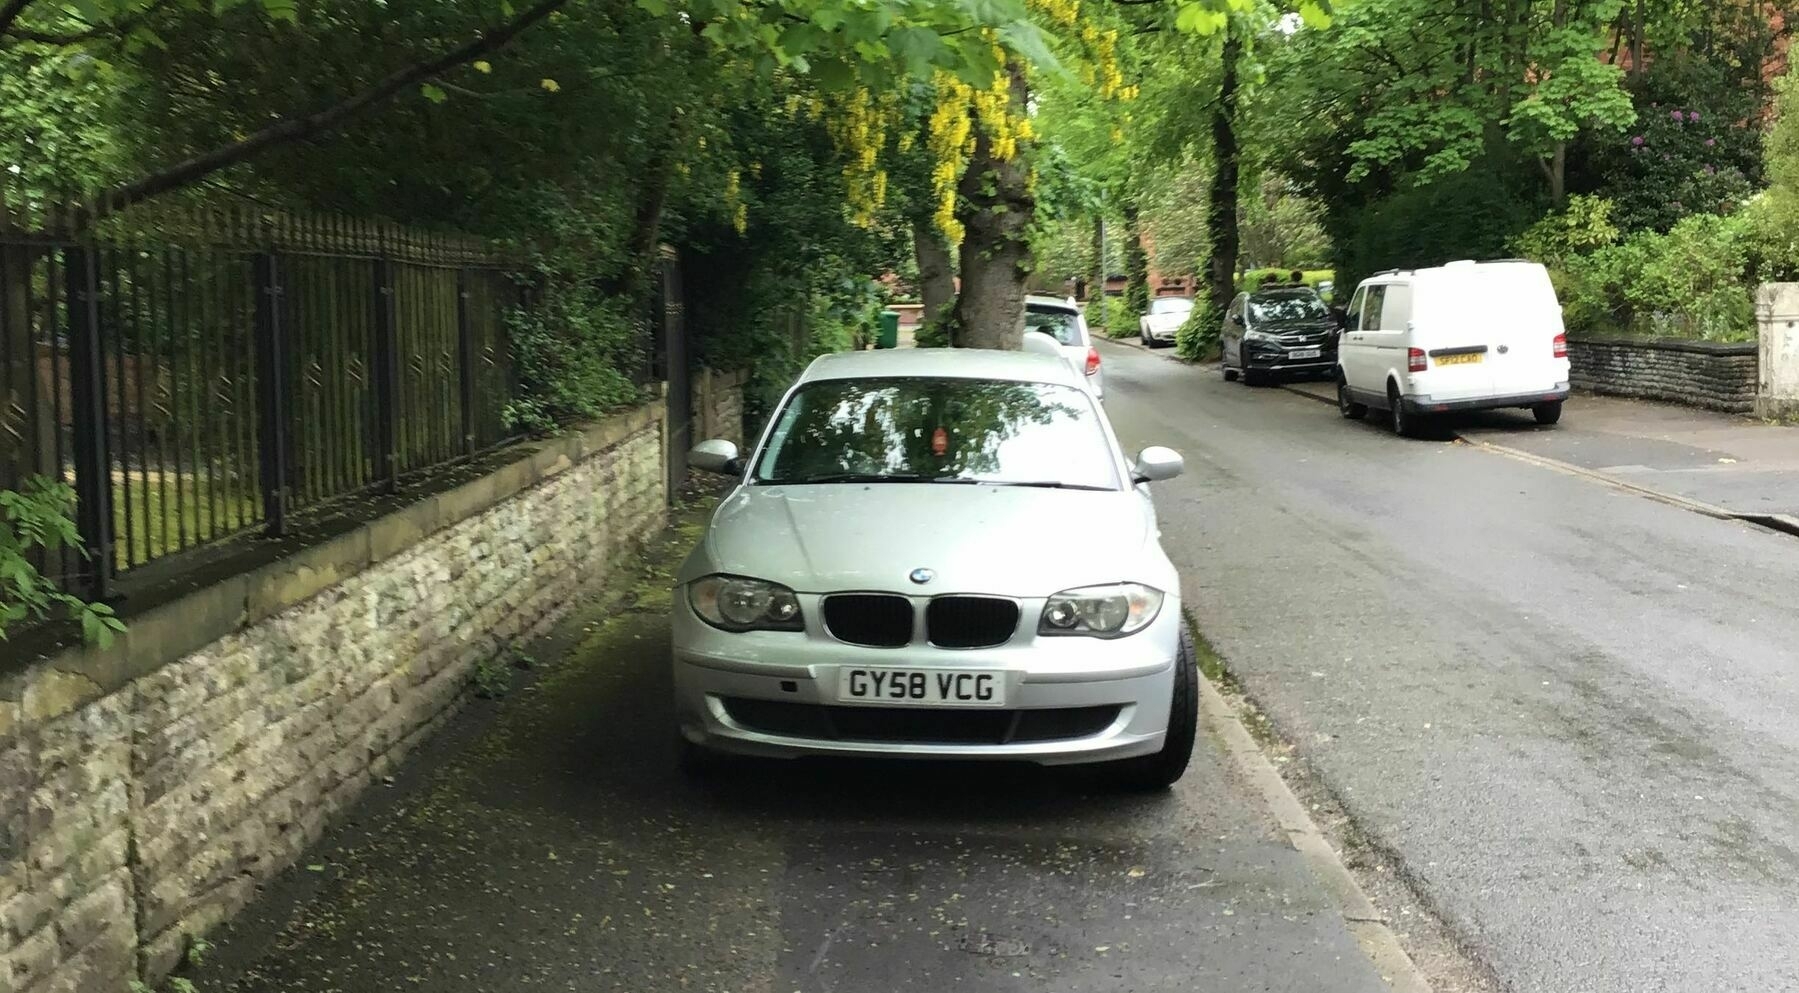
(655, 8)
(286, 11)
(1195, 18)
(798, 39)
(433, 93)
(1315, 13)
(917, 48)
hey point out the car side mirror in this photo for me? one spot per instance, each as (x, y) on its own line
(1156, 463)
(717, 456)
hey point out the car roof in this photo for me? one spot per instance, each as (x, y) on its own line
(1283, 291)
(1044, 300)
(944, 363)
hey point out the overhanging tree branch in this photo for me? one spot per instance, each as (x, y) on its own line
(9, 13)
(200, 166)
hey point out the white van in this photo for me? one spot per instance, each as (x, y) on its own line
(1460, 336)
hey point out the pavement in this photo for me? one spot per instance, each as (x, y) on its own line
(1737, 464)
(1560, 713)
(547, 841)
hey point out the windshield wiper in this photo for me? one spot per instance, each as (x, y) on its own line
(872, 477)
(1043, 484)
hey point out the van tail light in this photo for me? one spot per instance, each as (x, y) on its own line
(1561, 346)
(1414, 360)
(1092, 359)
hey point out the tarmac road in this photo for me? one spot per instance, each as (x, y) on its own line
(1570, 714)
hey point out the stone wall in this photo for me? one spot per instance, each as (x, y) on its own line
(1707, 374)
(147, 790)
(718, 406)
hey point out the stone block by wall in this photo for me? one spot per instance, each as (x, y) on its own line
(144, 798)
(1713, 375)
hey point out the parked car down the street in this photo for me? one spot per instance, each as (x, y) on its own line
(1062, 319)
(1287, 331)
(1457, 337)
(1157, 327)
(885, 581)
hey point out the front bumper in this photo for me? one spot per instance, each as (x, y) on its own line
(1428, 405)
(1271, 362)
(1134, 675)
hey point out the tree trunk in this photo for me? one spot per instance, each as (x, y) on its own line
(1136, 262)
(1636, 42)
(936, 271)
(1096, 292)
(1221, 208)
(996, 214)
(1558, 176)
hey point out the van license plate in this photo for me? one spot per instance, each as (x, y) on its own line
(923, 687)
(1305, 353)
(1466, 358)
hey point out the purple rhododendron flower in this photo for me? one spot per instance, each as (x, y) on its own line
(1693, 115)
(1677, 115)
(1637, 140)
(1709, 142)
(1711, 170)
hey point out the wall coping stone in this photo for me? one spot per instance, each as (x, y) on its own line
(197, 618)
(1672, 345)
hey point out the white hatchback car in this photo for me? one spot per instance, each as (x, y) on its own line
(881, 581)
(1062, 320)
(1460, 336)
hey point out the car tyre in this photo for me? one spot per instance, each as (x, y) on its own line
(1405, 425)
(1230, 375)
(1547, 413)
(1253, 378)
(1149, 773)
(1347, 406)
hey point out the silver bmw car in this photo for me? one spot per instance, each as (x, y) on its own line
(892, 577)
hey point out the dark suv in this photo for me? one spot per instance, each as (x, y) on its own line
(1278, 332)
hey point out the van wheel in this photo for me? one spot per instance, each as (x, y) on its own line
(1162, 769)
(1548, 413)
(1405, 425)
(1347, 406)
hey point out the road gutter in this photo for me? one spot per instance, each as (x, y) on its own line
(1364, 921)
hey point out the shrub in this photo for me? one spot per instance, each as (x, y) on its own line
(1582, 227)
(1197, 337)
(570, 354)
(36, 516)
(1691, 282)
(1469, 215)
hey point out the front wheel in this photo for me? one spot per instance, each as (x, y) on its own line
(1230, 375)
(1164, 768)
(1547, 413)
(1346, 405)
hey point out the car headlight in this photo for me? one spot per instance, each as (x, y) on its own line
(1101, 611)
(736, 603)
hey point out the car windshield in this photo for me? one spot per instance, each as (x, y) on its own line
(939, 430)
(1063, 325)
(1170, 305)
(1278, 308)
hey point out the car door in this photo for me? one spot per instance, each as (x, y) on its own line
(1231, 338)
(1350, 342)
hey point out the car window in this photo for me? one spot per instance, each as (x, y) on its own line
(1371, 311)
(1063, 325)
(1396, 307)
(1170, 305)
(938, 430)
(1278, 308)
(1353, 313)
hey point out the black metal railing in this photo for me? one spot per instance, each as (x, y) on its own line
(198, 376)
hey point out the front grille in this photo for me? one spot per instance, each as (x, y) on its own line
(878, 620)
(970, 621)
(918, 725)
